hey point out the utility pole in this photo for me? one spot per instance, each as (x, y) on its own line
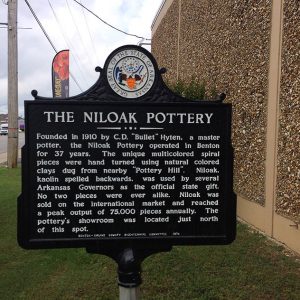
(12, 142)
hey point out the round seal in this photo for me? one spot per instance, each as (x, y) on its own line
(130, 72)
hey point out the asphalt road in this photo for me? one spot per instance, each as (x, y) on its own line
(3, 142)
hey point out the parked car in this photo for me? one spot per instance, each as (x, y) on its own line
(3, 129)
(22, 127)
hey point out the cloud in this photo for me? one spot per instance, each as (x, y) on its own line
(90, 42)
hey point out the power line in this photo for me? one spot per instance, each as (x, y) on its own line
(18, 27)
(88, 28)
(6, 25)
(77, 29)
(124, 32)
(41, 26)
(48, 38)
(68, 42)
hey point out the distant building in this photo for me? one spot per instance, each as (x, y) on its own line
(21, 121)
(3, 118)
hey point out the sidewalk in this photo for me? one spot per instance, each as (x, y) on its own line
(3, 158)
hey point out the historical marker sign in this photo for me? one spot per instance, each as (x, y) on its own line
(100, 170)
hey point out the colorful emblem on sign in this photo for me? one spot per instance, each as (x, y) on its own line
(130, 73)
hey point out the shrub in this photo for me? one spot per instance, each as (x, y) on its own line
(193, 89)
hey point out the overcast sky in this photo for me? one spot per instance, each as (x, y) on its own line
(69, 26)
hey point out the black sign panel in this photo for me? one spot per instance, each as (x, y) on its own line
(127, 172)
(126, 164)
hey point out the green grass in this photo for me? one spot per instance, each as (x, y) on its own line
(250, 268)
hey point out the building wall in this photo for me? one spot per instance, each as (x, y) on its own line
(288, 177)
(250, 51)
(165, 42)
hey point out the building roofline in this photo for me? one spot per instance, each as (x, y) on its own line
(165, 4)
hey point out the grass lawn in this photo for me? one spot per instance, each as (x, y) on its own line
(250, 268)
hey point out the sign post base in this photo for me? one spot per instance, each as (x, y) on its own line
(129, 293)
(129, 262)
